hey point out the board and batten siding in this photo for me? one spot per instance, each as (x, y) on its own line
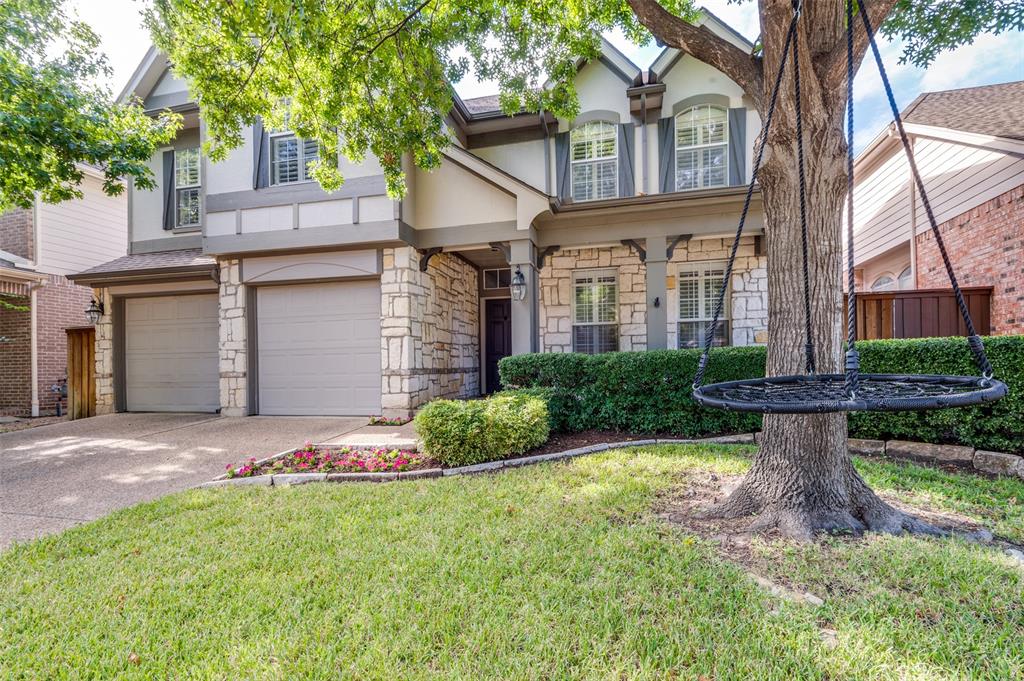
(78, 234)
(957, 177)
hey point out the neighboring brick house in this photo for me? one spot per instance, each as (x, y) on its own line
(969, 147)
(38, 247)
(247, 289)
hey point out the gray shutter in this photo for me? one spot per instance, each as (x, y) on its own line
(737, 146)
(260, 155)
(563, 186)
(666, 155)
(168, 181)
(627, 160)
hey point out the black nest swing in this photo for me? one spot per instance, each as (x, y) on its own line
(811, 392)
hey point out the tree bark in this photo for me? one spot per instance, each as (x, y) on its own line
(803, 480)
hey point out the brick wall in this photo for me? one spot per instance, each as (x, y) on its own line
(16, 232)
(986, 245)
(60, 304)
(15, 359)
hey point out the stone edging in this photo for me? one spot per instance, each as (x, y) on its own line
(985, 461)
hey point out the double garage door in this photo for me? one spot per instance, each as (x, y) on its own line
(317, 350)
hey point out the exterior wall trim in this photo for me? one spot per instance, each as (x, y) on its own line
(171, 243)
(593, 115)
(333, 237)
(284, 195)
(695, 100)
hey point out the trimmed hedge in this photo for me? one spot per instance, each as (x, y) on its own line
(465, 432)
(649, 392)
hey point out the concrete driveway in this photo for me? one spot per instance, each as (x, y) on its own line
(56, 476)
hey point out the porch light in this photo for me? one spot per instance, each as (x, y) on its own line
(94, 311)
(518, 285)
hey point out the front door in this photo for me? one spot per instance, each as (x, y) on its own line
(498, 341)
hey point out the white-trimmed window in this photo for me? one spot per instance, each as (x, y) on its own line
(187, 183)
(905, 279)
(291, 158)
(699, 284)
(884, 283)
(594, 161)
(595, 311)
(702, 148)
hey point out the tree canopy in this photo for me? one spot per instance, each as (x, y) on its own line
(374, 75)
(54, 116)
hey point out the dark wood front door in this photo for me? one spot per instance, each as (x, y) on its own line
(498, 338)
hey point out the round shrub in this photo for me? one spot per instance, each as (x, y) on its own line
(461, 433)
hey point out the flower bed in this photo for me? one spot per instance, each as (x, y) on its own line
(388, 421)
(313, 459)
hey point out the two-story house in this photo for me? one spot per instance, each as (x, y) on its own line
(39, 246)
(248, 289)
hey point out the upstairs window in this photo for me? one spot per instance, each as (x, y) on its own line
(698, 294)
(595, 164)
(291, 158)
(187, 183)
(702, 148)
(595, 314)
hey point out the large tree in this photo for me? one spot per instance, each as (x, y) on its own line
(374, 74)
(56, 114)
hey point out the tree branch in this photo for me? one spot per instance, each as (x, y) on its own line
(833, 66)
(703, 44)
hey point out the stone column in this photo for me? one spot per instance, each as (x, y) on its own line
(233, 351)
(105, 401)
(526, 312)
(657, 293)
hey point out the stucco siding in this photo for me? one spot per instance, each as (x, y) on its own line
(147, 206)
(524, 160)
(78, 234)
(450, 196)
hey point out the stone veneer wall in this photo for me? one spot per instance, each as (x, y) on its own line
(234, 398)
(430, 330)
(556, 295)
(105, 354)
(749, 296)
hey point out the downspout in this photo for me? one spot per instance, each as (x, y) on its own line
(34, 341)
(643, 143)
(913, 224)
(547, 154)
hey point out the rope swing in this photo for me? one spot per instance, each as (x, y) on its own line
(812, 393)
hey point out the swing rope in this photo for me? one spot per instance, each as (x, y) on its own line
(808, 337)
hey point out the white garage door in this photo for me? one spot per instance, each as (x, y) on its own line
(171, 353)
(319, 349)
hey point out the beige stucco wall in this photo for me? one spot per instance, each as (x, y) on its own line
(430, 345)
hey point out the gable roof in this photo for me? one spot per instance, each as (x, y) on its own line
(996, 110)
(670, 56)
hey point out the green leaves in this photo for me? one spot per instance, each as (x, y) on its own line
(52, 118)
(928, 28)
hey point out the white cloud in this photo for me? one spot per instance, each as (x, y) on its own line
(990, 58)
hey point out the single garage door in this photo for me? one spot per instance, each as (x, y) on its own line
(319, 349)
(171, 353)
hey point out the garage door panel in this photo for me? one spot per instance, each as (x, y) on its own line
(319, 349)
(171, 353)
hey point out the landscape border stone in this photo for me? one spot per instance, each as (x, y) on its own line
(993, 463)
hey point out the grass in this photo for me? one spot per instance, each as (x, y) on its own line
(549, 572)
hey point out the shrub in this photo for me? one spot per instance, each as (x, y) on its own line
(649, 392)
(461, 433)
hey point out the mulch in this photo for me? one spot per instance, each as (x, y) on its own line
(560, 442)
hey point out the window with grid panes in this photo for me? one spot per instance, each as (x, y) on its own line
(187, 182)
(595, 164)
(698, 294)
(595, 312)
(291, 158)
(702, 148)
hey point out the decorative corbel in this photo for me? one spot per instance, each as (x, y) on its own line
(425, 255)
(635, 245)
(503, 248)
(542, 255)
(675, 242)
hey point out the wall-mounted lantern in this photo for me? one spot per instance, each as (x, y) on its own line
(518, 285)
(94, 311)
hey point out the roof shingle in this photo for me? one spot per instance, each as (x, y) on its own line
(141, 262)
(996, 110)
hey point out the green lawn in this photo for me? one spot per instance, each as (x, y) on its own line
(546, 572)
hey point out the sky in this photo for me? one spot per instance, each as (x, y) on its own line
(991, 59)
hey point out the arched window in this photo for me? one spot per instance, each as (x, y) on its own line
(904, 279)
(702, 147)
(595, 162)
(884, 283)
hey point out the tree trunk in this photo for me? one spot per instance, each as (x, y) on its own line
(802, 481)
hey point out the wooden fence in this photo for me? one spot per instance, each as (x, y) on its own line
(921, 313)
(81, 372)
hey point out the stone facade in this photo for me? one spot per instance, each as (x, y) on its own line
(748, 301)
(234, 397)
(987, 249)
(556, 293)
(105, 402)
(430, 342)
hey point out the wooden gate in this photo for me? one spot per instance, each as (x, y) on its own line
(921, 313)
(81, 372)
